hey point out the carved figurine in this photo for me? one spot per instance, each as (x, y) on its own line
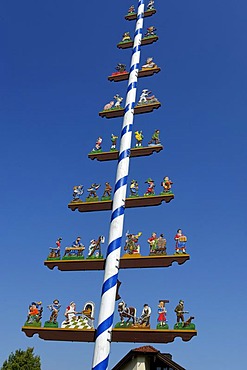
(157, 245)
(77, 192)
(126, 37)
(128, 313)
(107, 192)
(97, 147)
(139, 138)
(131, 243)
(118, 102)
(151, 186)
(113, 141)
(162, 315)
(187, 325)
(152, 241)
(34, 314)
(54, 307)
(181, 240)
(146, 99)
(79, 320)
(109, 106)
(94, 249)
(131, 9)
(92, 192)
(55, 251)
(167, 185)
(144, 320)
(134, 187)
(75, 250)
(155, 140)
(150, 31)
(150, 5)
(149, 64)
(120, 68)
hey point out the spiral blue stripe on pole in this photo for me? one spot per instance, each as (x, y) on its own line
(109, 288)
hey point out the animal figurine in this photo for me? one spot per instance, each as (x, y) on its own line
(78, 190)
(134, 187)
(97, 147)
(126, 312)
(121, 67)
(155, 140)
(181, 240)
(149, 64)
(151, 186)
(109, 105)
(146, 99)
(139, 138)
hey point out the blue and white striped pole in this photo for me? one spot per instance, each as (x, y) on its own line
(107, 307)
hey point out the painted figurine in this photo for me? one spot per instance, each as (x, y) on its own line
(94, 248)
(77, 192)
(55, 252)
(107, 192)
(150, 5)
(118, 102)
(54, 308)
(187, 325)
(113, 141)
(34, 314)
(181, 240)
(77, 243)
(167, 185)
(144, 320)
(146, 99)
(109, 105)
(128, 313)
(92, 190)
(155, 140)
(150, 31)
(152, 241)
(134, 187)
(97, 146)
(79, 320)
(131, 243)
(126, 37)
(139, 138)
(162, 314)
(121, 68)
(151, 186)
(149, 64)
(131, 9)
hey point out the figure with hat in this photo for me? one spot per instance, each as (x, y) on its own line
(155, 140)
(55, 251)
(54, 307)
(151, 186)
(92, 192)
(113, 141)
(144, 320)
(134, 187)
(34, 314)
(78, 190)
(150, 5)
(139, 138)
(167, 185)
(97, 147)
(107, 192)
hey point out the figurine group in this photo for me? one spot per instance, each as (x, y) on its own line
(113, 105)
(128, 317)
(157, 244)
(166, 184)
(154, 141)
(78, 191)
(121, 68)
(150, 6)
(73, 319)
(75, 251)
(149, 33)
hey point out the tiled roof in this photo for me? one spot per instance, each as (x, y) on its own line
(145, 349)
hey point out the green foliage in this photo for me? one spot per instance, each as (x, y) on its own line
(22, 360)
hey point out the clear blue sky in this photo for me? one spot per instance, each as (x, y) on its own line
(55, 59)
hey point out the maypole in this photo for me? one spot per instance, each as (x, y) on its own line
(105, 321)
